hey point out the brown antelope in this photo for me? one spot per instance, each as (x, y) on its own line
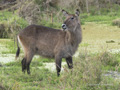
(51, 43)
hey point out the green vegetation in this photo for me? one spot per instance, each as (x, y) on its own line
(7, 46)
(10, 24)
(105, 19)
(97, 54)
(48, 13)
(86, 75)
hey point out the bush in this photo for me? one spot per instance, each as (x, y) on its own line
(8, 30)
(10, 24)
(116, 22)
(3, 32)
(86, 72)
(30, 12)
(108, 59)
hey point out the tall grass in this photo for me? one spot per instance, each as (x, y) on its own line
(87, 74)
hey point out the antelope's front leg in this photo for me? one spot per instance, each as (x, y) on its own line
(69, 62)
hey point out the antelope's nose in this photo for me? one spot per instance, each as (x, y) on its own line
(64, 26)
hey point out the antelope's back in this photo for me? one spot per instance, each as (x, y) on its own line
(41, 39)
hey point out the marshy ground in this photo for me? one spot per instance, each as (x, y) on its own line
(96, 64)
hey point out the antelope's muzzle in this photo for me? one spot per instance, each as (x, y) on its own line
(64, 27)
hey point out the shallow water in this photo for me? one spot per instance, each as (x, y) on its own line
(113, 74)
(114, 51)
(6, 58)
(52, 66)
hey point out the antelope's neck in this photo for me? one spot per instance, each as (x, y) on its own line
(75, 37)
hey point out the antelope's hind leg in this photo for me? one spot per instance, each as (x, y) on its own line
(26, 62)
(23, 62)
(29, 59)
(58, 65)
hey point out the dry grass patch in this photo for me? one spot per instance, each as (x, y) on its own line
(95, 37)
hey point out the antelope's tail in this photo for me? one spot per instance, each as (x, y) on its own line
(18, 50)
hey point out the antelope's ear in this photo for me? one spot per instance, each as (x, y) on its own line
(77, 12)
(65, 13)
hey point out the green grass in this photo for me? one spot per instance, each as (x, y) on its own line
(103, 19)
(86, 75)
(7, 46)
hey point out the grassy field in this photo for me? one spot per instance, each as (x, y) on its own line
(100, 37)
(97, 54)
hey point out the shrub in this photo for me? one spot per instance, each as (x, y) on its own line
(108, 59)
(10, 24)
(116, 22)
(3, 32)
(86, 72)
(30, 12)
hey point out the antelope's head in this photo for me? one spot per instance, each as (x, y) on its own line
(71, 21)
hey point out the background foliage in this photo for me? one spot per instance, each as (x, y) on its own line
(17, 14)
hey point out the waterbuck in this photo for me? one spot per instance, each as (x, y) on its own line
(51, 43)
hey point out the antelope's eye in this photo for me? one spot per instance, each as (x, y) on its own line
(72, 18)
